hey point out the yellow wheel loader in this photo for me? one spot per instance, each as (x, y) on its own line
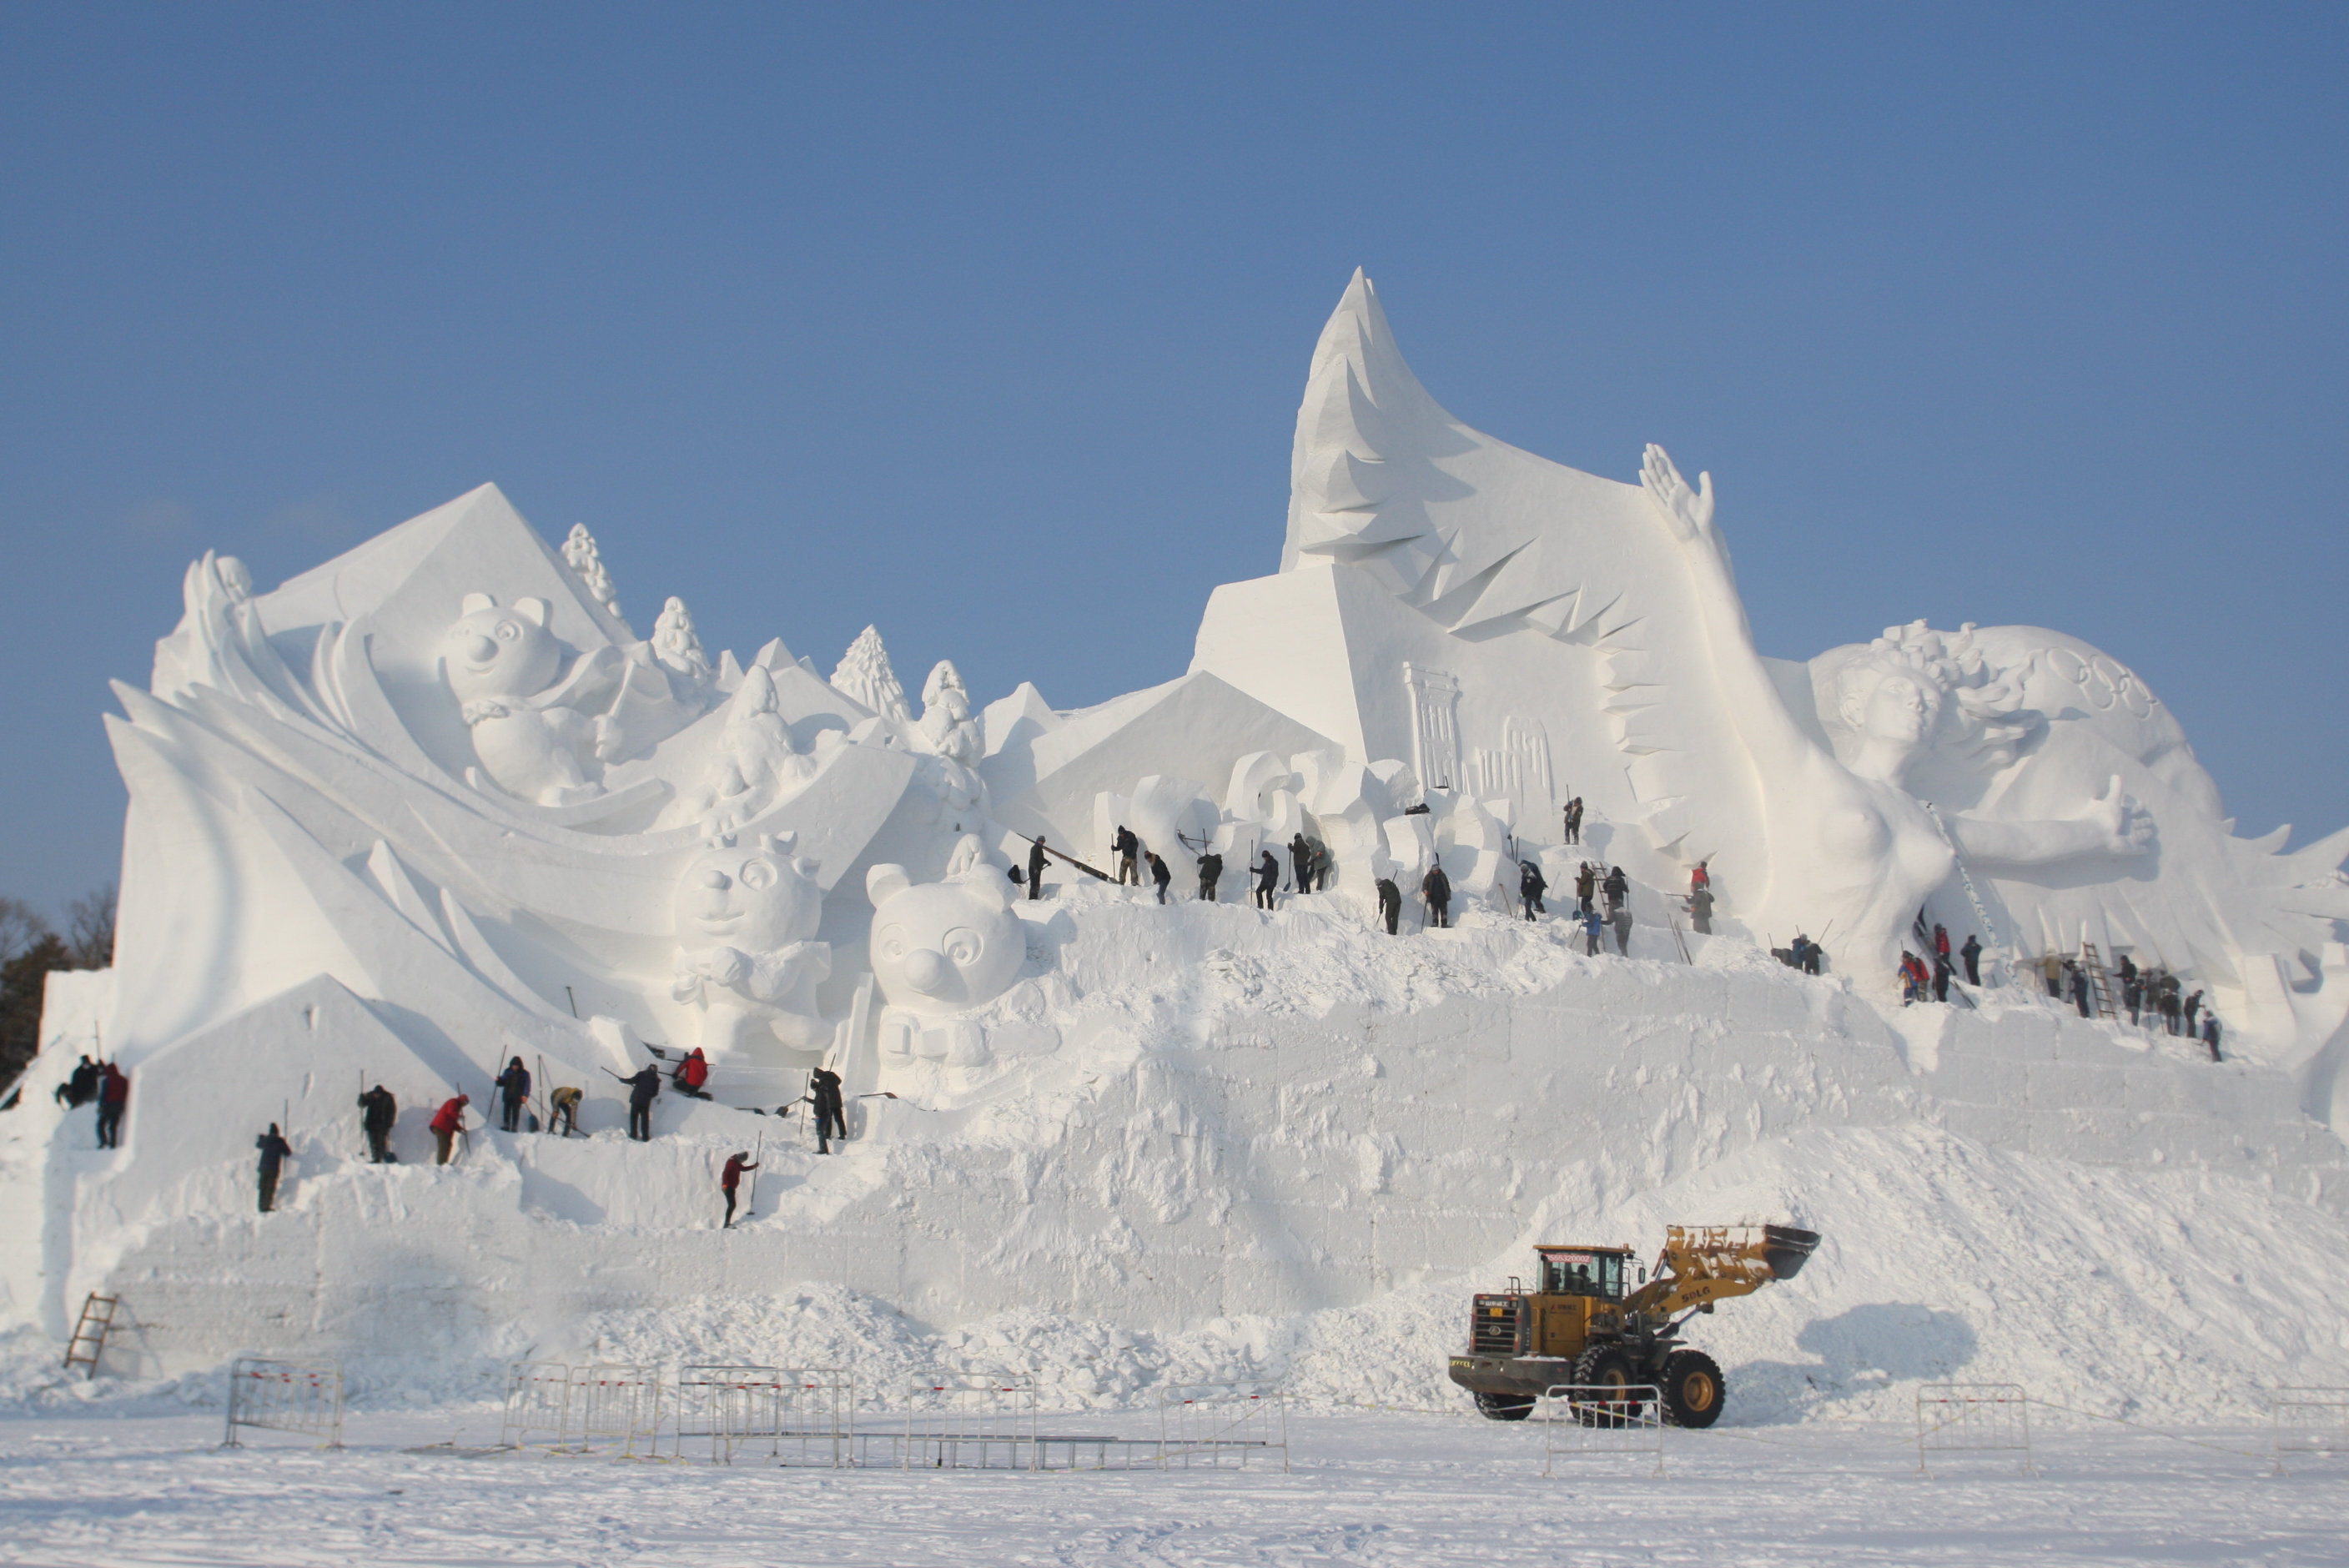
(1581, 1325)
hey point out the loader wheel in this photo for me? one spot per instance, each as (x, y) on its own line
(1505, 1407)
(1608, 1369)
(1692, 1388)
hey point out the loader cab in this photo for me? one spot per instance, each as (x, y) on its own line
(1596, 1272)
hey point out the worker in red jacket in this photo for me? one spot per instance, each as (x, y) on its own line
(113, 1099)
(692, 1073)
(731, 1178)
(447, 1122)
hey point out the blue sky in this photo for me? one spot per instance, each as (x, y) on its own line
(989, 324)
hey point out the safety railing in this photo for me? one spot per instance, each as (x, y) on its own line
(304, 1398)
(2312, 1421)
(609, 1407)
(1602, 1420)
(1222, 1425)
(1972, 1418)
(538, 1402)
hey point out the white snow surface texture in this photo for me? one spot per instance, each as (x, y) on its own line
(1344, 1131)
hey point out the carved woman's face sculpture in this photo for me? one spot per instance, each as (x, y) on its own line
(1901, 709)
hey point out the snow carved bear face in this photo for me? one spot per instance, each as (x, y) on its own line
(941, 947)
(753, 898)
(492, 652)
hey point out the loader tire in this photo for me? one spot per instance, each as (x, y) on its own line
(1605, 1368)
(1503, 1407)
(1692, 1388)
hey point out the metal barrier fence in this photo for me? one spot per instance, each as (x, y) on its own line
(1972, 1418)
(300, 1397)
(727, 1409)
(815, 1410)
(538, 1400)
(958, 1420)
(1602, 1420)
(2308, 1421)
(1215, 1426)
(610, 1406)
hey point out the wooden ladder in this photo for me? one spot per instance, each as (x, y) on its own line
(97, 1317)
(2099, 982)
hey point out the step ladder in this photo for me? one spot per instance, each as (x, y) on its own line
(88, 1341)
(2100, 984)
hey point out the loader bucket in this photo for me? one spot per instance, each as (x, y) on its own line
(1786, 1249)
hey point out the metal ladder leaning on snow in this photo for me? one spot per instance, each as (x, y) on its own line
(1966, 880)
(90, 1329)
(2099, 982)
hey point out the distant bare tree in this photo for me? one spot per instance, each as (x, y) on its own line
(90, 931)
(21, 926)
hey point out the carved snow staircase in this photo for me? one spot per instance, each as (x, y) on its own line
(2100, 984)
(88, 1341)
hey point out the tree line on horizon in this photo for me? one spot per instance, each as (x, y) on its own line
(30, 947)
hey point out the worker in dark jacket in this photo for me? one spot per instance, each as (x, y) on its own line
(1618, 888)
(1971, 955)
(823, 1092)
(1127, 847)
(1531, 885)
(1211, 872)
(1036, 867)
(274, 1151)
(1300, 862)
(513, 1089)
(644, 1088)
(447, 1122)
(1436, 889)
(1390, 902)
(1159, 875)
(113, 1099)
(731, 1178)
(378, 1112)
(1267, 880)
(1700, 904)
(80, 1085)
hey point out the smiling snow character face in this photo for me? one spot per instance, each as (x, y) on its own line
(752, 898)
(940, 947)
(490, 652)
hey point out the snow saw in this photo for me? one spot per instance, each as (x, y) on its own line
(1579, 1327)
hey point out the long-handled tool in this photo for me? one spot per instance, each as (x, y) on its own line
(758, 1152)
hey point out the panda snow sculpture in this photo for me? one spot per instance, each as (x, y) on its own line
(941, 947)
(532, 740)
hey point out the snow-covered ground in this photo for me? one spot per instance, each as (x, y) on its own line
(92, 1489)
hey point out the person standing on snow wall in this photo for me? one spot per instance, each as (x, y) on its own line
(824, 1091)
(273, 1152)
(643, 1089)
(1972, 953)
(447, 1122)
(1700, 904)
(731, 1178)
(1436, 889)
(513, 1089)
(1585, 888)
(1390, 902)
(1267, 880)
(1593, 924)
(1531, 885)
(378, 1112)
(1036, 867)
(113, 1099)
(1300, 862)
(1126, 847)
(1159, 875)
(1211, 872)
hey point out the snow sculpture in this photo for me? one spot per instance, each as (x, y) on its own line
(946, 726)
(865, 676)
(940, 948)
(676, 647)
(532, 739)
(746, 920)
(755, 765)
(580, 553)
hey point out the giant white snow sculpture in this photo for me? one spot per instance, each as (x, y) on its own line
(433, 805)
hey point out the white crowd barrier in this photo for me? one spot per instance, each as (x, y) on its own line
(304, 1398)
(1972, 1418)
(1222, 1425)
(538, 1403)
(958, 1420)
(2312, 1421)
(610, 1406)
(1602, 1420)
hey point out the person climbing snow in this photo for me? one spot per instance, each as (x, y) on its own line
(1390, 903)
(1701, 876)
(1619, 914)
(2211, 1033)
(1971, 955)
(1036, 867)
(80, 1085)
(1267, 880)
(731, 1178)
(1126, 846)
(1159, 875)
(514, 1094)
(1700, 904)
(823, 1092)
(563, 1108)
(1618, 888)
(1211, 872)
(1436, 889)
(1301, 860)
(691, 1074)
(378, 1112)
(1531, 885)
(113, 1099)
(275, 1151)
(1593, 924)
(1585, 888)
(447, 1122)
